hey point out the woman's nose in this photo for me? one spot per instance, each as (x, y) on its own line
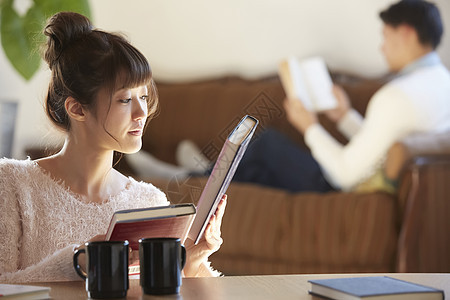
(140, 110)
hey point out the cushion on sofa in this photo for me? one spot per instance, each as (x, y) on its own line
(270, 231)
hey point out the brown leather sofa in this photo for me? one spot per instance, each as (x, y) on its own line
(270, 231)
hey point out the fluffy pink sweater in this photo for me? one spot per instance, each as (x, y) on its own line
(41, 221)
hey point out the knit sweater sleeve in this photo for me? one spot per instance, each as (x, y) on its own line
(10, 224)
(57, 266)
(350, 124)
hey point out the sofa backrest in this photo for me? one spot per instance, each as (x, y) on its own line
(205, 111)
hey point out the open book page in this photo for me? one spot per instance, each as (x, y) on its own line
(293, 82)
(221, 175)
(319, 83)
(309, 81)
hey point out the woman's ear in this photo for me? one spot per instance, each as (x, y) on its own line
(74, 109)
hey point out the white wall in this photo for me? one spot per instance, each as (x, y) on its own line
(194, 39)
(197, 38)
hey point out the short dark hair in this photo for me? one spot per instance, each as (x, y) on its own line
(423, 16)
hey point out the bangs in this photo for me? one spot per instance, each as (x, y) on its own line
(134, 68)
(134, 71)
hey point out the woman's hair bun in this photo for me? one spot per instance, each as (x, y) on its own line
(61, 30)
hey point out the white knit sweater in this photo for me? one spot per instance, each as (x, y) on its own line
(41, 221)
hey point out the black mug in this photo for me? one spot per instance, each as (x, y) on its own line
(161, 263)
(107, 268)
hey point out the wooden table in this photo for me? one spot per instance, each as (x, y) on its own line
(243, 287)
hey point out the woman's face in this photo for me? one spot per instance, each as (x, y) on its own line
(119, 121)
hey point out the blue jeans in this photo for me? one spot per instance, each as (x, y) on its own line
(273, 160)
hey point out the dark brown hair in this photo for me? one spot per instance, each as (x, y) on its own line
(423, 16)
(83, 60)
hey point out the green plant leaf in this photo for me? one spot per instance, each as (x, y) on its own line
(5, 2)
(22, 36)
(16, 42)
(51, 7)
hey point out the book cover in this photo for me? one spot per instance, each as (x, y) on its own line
(309, 81)
(134, 270)
(16, 291)
(378, 287)
(222, 173)
(161, 221)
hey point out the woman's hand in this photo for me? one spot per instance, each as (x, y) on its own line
(298, 115)
(82, 257)
(197, 255)
(97, 238)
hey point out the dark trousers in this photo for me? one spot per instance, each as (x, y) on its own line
(273, 160)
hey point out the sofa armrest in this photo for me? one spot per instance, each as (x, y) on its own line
(413, 146)
(424, 241)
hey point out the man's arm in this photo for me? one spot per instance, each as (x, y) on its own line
(348, 120)
(346, 166)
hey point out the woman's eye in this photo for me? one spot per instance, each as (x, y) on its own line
(125, 100)
(144, 97)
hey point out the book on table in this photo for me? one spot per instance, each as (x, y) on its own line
(375, 287)
(160, 221)
(23, 292)
(309, 81)
(221, 174)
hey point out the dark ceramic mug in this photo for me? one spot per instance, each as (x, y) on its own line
(107, 268)
(161, 263)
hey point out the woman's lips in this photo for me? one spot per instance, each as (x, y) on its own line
(135, 132)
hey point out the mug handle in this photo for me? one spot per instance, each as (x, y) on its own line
(183, 257)
(77, 267)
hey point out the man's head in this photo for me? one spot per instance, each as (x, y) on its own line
(411, 28)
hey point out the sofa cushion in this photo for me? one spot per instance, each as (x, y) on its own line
(270, 231)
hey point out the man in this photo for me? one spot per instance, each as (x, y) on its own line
(417, 100)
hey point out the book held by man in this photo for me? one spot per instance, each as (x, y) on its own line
(309, 81)
(160, 221)
(222, 173)
(375, 288)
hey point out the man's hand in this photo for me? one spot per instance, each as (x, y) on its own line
(343, 105)
(298, 115)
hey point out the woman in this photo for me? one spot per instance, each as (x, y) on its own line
(101, 93)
